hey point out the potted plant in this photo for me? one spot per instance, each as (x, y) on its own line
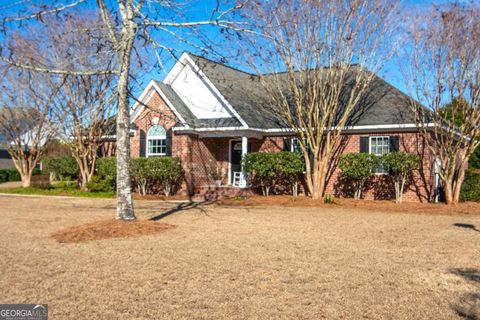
(217, 176)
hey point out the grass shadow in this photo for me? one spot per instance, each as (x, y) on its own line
(468, 305)
(183, 206)
(466, 226)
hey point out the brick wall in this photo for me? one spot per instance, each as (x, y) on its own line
(200, 157)
(418, 189)
(156, 110)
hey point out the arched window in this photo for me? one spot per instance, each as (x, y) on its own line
(156, 141)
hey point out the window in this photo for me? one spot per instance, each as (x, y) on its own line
(380, 146)
(156, 141)
(295, 145)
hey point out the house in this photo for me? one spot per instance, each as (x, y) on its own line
(207, 114)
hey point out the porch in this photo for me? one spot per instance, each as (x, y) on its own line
(213, 162)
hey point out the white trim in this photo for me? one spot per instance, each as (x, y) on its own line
(370, 150)
(178, 67)
(157, 137)
(230, 182)
(139, 107)
(170, 104)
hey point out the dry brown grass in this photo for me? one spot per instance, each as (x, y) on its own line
(105, 229)
(242, 263)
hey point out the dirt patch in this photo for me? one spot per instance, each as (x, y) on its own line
(471, 208)
(106, 229)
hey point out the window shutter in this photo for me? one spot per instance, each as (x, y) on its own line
(287, 144)
(169, 142)
(143, 144)
(394, 143)
(364, 145)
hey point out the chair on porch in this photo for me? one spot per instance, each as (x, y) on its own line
(237, 178)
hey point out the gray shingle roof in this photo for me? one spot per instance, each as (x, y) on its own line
(382, 103)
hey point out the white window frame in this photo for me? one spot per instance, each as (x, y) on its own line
(156, 137)
(380, 170)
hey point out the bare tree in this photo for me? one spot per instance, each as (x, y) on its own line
(84, 106)
(316, 60)
(24, 120)
(143, 19)
(444, 66)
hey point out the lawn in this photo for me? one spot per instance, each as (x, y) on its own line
(57, 191)
(223, 262)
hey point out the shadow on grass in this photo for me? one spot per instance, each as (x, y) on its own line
(468, 305)
(184, 206)
(466, 226)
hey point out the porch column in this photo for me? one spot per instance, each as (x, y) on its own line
(243, 182)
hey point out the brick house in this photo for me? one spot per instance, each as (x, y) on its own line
(205, 113)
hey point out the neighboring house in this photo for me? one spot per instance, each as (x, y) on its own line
(5, 158)
(208, 115)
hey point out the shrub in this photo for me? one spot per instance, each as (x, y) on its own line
(165, 170)
(61, 167)
(400, 165)
(289, 166)
(3, 176)
(107, 168)
(99, 184)
(263, 168)
(13, 175)
(140, 173)
(470, 188)
(328, 199)
(358, 167)
(105, 180)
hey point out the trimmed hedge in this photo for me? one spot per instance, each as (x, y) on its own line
(7, 175)
(471, 186)
(358, 168)
(61, 167)
(268, 169)
(149, 175)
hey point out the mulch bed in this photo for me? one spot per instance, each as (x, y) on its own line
(106, 229)
(471, 208)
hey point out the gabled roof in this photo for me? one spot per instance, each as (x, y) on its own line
(243, 91)
(381, 106)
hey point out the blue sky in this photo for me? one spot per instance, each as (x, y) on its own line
(201, 10)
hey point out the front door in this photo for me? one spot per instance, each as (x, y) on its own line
(236, 157)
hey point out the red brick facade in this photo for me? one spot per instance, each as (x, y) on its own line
(418, 189)
(200, 157)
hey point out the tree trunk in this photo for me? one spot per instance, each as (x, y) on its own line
(458, 186)
(447, 189)
(319, 176)
(26, 179)
(124, 189)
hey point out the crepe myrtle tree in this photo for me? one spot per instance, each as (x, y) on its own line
(400, 166)
(25, 119)
(442, 75)
(316, 60)
(358, 167)
(129, 25)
